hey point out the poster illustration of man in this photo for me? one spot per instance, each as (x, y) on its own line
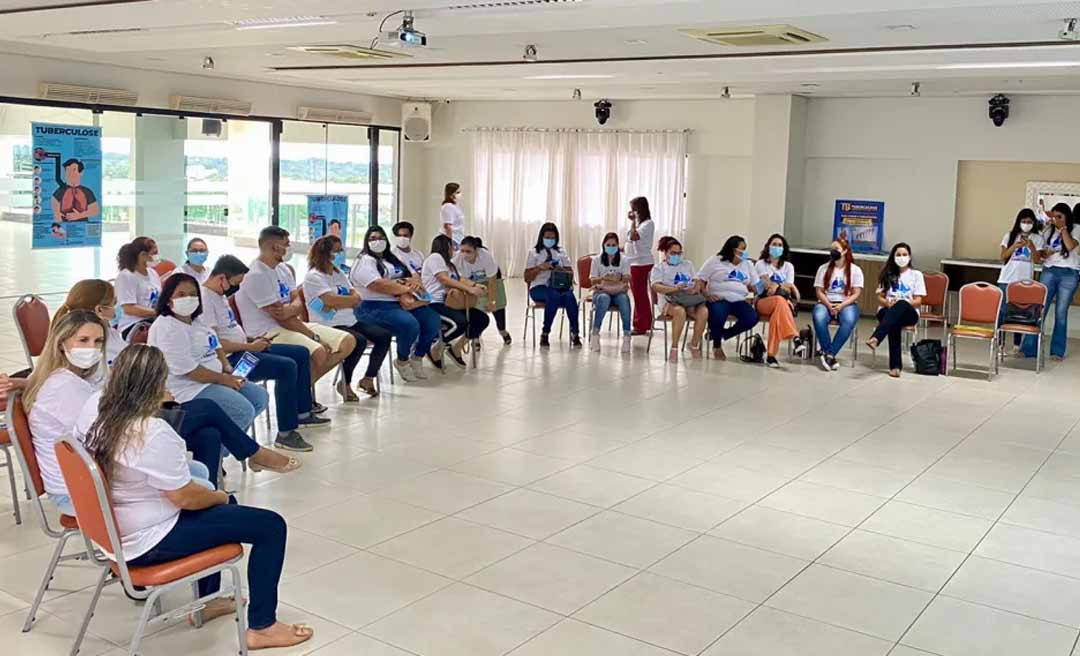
(72, 201)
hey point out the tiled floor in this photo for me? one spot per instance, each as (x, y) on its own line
(568, 503)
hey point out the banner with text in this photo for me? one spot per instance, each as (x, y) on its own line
(67, 185)
(328, 215)
(862, 222)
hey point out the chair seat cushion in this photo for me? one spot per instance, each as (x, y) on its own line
(1020, 328)
(174, 570)
(931, 316)
(69, 522)
(973, 331)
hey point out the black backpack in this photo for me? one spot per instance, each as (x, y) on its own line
(928, 357)
(752, 349)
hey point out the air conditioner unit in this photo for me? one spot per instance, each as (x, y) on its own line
(86, 95)
(416, 122)
(755, 36)
(210, 105)
(325, 115)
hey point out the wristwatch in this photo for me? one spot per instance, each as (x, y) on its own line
(315, 336)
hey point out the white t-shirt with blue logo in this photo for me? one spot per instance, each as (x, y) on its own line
(186, 347)
(433, 266)
(1020, 265)
(556, 256)
(366, 271)
(785, 275)
(414, 259)
(262, 287)
(484, 268)
(907, 287)
(136, 289)
(219, 316)
(598, 269)
(1055, 243)
(726, 280)
(666, 274)
(317, 283)
(835, 291)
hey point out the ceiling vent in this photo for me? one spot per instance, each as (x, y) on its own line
(756, 36)
(353, 53)
(209, 105)
(326, 115)
(509, 4)
(86, 95)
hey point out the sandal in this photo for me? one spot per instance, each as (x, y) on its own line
(347, 395)
(367, 386)
(300, 633)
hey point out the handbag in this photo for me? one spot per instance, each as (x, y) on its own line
(457, 299)
(410, 302)
(1027, 315)
(927, 355)
(612, 287)
(685, 299)
(752, 349)
(561, 281)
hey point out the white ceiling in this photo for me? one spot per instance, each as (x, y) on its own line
(477, 53)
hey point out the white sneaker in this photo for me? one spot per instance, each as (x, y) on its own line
(594, 343)
(405, 370)
(417, 368)
(626, 344)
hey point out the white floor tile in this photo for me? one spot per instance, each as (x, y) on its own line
(957, 497)
(770, 632)
(52, 636)
(928, 526)
(958, 628)
(730, 568)
(857, 477)
(823, 502)
(531, 514)
(573, 638)
(512, 466)
(676, 506)
(355, 643)
(592, 485)
(1037, 594)
(892, 559)
(1034, 549)
(452, 547)
(731, 482)
(445, 491)
(365, 521)
(623, 539)
(644, 462)
(782, 532)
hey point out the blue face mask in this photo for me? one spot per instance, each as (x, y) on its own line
(675, 259)
(612, 251)
(339, 259)
(776, 252)
(198, 257)
(549, 243)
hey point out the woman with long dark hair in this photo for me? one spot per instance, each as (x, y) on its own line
(639, 255)
(730, 278)
(138, 285)
(1021, 250)
(542, 260)
(610, 278)
(439, 275)
(475, 262)
(838, 285)
(382, 280)
(1060, 274)
(900, 291)
(779, 297)
(450, 214)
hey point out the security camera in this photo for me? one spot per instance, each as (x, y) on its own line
(531, 54)
(208, 63)
(603, 111)
(999, 109)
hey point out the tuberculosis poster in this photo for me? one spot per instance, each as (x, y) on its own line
(862, 222)
(67, 185)
(328, 215)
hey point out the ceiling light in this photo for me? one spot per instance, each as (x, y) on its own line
(530, 54)
(569, 77)
(1070, 32)
(903, 27)
(276, 23)
(916, 89)
(636, 42)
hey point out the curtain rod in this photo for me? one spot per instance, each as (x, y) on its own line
(578, 130)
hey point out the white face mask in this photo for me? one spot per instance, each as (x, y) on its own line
(377, 245)
(154, 261)
(185, 306)
(902, 261)
(403, 242)
(84, 358)
(1027, 227)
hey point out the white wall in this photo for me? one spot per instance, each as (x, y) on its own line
(720, 154)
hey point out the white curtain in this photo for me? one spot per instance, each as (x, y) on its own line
(580, 180)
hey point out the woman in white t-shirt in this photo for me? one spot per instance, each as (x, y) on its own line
(779, 297)
(137, 284)
(838, 285)
(440, 275)
(542, 260)
(450, 214)
(639, 255)
(680, 295)
(1061, 268)
(475, 262)
(161, 514)
(900, 293)
(1021, 250)
(609, 276)
(99, 297)
(331, 300)
(195, 266)
(730, 279)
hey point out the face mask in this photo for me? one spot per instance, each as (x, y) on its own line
(154, 261)
(776, 252)
(232, 289)
(1027, 227)
(739, 255)
(185, 306)
(835, 254)
(198, 258)
(674, 259)
(339, 259)
(902, 261)
(377, 245)
(612, 251)
(403, 242)
(84, 358)
(549, 243)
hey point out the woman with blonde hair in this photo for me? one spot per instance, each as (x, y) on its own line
(99, 297)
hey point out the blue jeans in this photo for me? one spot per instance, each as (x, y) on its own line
(241, 406)
(603, 301)
(746, 317)
(206, 428)
(199, 530)
(199, 474)
(554, 300)
(1061, 285)
(420, 327)
(848, 317)
(290, 368)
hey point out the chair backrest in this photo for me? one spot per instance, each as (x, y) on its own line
(89, 496)
(164, 268)
(937, 286)
(1026, 292)
(584, 270)
(19, 424)
(140, 334)
(304, 315)
(32, 319)
(235, 310)
(980, 302)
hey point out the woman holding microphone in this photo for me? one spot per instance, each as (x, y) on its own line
(639, 241)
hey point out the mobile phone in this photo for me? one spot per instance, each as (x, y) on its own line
(245, 365)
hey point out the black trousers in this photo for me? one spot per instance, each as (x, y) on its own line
(366, 333)
(477, 321)
(891, 324)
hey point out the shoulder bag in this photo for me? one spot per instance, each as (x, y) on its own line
(457, 299)
(561, 281)
(685, 299)
(410, 302)
(1027, 315)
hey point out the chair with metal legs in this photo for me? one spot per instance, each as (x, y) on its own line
(531, 307)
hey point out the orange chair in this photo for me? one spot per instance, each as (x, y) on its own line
(1025, 293)
(9, 463)
(935, 305)
(93, 507)
(32, 321)
(664, 319)
(164, 268)
(584, 275)
(980, 305)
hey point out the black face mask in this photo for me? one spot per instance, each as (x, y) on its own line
(835, 255)
(232, 290)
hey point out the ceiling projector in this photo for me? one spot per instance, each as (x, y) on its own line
(406, 35)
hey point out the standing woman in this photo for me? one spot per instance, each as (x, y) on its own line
(900, 292)
(639, 243)
(1021, 250)
(440, 275)
(195, 266)
(138, 285)
(610, 278)
(542, 259)
(1061, 264)
(779, 297)
(680, 294)
(729, 278)
(475, 262)
(451, 216)
(838, 285)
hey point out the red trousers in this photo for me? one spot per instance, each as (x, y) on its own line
(639, 287)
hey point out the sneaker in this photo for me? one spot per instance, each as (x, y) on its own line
(575, 342)
(507, 339)
(626, 344)
(544, 342)
(313, 421)
(800, 347)
(418, 368)
(771, 361)
(826, 363)
(594, 342)
(293, 441)
(405, 370)
(834, 364)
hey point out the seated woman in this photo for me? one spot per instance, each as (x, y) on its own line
(138, 285)
(331, 301)
(900, 292)
(610, 279)
(99, 297)
(439, 275)
(680, 295)
(779, 297)
(383, 280)
(161, 514)
(729, 279)
(195, 266)
(542, 259)
(838, 285)
(475, 262)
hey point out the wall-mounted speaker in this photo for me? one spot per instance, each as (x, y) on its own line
(416, 122)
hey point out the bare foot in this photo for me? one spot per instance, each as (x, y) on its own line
(718, 353)
(279, 635)
(214, 609)
(872, 343)
(894, 373)
(367, 386)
